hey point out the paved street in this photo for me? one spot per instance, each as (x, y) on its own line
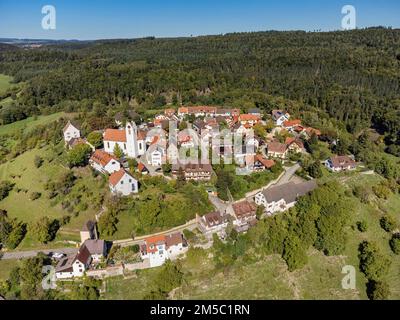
(289, 173)
(33, 253)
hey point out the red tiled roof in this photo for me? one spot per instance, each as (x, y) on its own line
(249, 117)
(101, 157)
(116, 177)
(115, 135)
(265, 162)
(244, 208)
(277, 147)
(153, 241)
(292, 123)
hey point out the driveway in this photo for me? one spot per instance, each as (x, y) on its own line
(33, 253)
(289, 173)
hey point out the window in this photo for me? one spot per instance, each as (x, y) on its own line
(122, 181)
(133, 187)
(108, 145)
(124, 146)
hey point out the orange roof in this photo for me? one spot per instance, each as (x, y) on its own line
(183, 110)
(169, 111)
(116, 177)
(249, 117)
(115, 135)
(292, 123)
(265, 162)
(155, 140)
(101, 157)
(151, 243)
(312, 130)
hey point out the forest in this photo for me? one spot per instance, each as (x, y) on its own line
(352, 77)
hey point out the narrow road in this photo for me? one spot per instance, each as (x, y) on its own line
(289, 173)
(33, 253)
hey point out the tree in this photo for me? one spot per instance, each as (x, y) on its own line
(314, 170)
(41, 230)
(108, 223)
(79, 155)
(118, 151)
(5, 188)
(395, 243)
(362, 226)
(294, 253)
(388, 223)
(373, 263)
(378, 290)
(95, 138)
(167, 168)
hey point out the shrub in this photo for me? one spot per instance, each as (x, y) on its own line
(395, 243)
(388, 223)
(35, 195)
(5, 188)
(38, 161)
(378, 290)
(362, 226)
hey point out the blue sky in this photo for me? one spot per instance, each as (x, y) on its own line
(100, 19)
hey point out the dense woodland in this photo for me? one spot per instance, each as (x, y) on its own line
(351, 76)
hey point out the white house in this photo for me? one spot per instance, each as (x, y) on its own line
(340, 163)
(122, 183)
(280, 117)
(211, 223)
(97, 249)
(104, 162)
(127, 139)
(283, 197)
(74, 265)
(160, 248)
(71, 131)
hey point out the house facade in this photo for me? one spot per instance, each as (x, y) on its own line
(104, 162)
(161, 248)
(74, 266)
(71, 131)
(277, 150)
(196, 172)
(340, 163)
(123, 183)
(245, 215)
(279, 117)
(211, 223)
(283, 197)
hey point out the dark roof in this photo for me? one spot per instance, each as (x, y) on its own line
(244, 208)
(213, 219)
(289, 191)
(95, 246)
(198, 167)
(342, 161)
(73, 123)
(83, 254)
(173, 239)
(65, 264)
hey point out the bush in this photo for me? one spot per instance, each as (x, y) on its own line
(388, 223)
(382, 191)
(395, 243)
(378, 290)
(35, 195)
(5, 188)
(38, 161)
(362, 226)
(373, 263)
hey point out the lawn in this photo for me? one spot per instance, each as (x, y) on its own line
(5, 268)
(5, 83)
(29, 123)
(28, 179)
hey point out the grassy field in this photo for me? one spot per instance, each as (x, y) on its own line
(5, 267)
(28, 179)
(268, 278)
(30, 123)
(5, 83)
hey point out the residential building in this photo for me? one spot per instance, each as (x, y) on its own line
(123, 183)
(161, 248)
(340, 163)
(71, 131)
(104, 162)
(97, 249)
(283, 197)
(277, 150)
(261, 163)
(280, 117)
(255, 112)
(196, 172)
(291, 125)
(213, 222)
(295, 145)
(244, 215)
(74, 265)
(249, 120)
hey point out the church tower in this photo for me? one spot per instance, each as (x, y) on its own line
(131, 140)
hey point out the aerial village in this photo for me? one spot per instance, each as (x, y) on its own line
(153, 144)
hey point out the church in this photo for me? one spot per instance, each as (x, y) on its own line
(127, 139)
